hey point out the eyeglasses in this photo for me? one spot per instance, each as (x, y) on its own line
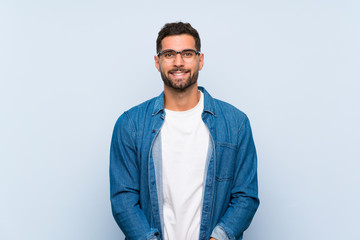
(169, 55)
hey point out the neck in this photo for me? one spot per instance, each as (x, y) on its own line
(181, 100)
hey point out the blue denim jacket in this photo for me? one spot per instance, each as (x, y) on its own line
(230, 197)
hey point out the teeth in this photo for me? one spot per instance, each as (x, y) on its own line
(178, 74)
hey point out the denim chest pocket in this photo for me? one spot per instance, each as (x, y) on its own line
(225, 161)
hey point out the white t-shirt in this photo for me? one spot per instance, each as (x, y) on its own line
(185, 141)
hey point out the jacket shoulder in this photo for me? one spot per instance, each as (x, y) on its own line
(229, 111)
(234, 123)
(141, 108)
(130, 117)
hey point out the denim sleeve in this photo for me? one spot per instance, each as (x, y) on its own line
(244, 199)
(124, 183)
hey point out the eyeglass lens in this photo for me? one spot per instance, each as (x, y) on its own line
(187, 55)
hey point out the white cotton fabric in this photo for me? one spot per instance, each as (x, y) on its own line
(185, 141)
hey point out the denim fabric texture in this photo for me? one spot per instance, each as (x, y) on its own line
(230, 197)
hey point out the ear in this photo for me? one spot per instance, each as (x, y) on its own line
(201, 61)
(157, 64)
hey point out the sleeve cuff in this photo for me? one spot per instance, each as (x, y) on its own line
(219, 233)
(153, 235)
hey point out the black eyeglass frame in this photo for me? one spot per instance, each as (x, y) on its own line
(176, 52)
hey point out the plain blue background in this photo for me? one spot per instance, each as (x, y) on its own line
(68, 69)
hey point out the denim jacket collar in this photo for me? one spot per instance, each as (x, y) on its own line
(209, 105)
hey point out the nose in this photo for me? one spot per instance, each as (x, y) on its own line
(178, 60)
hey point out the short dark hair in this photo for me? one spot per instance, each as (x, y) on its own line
(177, 28)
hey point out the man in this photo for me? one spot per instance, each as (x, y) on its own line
(183, 165)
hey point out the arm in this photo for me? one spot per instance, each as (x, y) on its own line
(124, 183)
(244, 194)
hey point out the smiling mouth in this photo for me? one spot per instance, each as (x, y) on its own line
(178, 73)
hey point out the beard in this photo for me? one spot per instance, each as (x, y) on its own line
(180, 84)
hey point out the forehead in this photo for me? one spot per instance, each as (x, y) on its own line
(178, 42)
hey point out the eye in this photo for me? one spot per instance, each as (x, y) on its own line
(188, 53)
(169, 54)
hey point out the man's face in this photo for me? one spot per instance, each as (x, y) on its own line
(179, 74)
